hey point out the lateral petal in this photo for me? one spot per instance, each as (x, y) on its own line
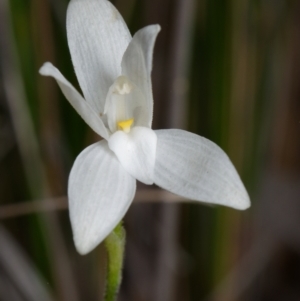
(97, 38)
(196, 168)
(136, 152)
(76, 100)
(100, 192)
(137, 65)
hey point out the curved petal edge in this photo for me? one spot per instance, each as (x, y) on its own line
(100, 192)
(196, 168)
(76, 100)
(137, 66)
(97, 38)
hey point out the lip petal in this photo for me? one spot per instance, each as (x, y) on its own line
(97, 38)
(136, 152)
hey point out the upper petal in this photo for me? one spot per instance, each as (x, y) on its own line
(136, 152)
(76, 100)
(137, 65)
(100, 192)
(196, 168)
(97, 38)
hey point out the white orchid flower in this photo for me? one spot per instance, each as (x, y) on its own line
(114, 73)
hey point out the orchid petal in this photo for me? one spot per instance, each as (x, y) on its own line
(100, 192)
(137, 65)
(136, 152)
(97, 38)
(76, 100)
(196, 168)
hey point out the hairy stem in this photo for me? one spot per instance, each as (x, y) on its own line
(114, 243)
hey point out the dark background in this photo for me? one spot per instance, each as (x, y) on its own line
(228, 70)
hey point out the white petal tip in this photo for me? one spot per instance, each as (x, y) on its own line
(156, 27)
(153, 30)
(244, 205)
(82, 250)
(239, 199)
(87, 238)
(46, 69)
(83, 246)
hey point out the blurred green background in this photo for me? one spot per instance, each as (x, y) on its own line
(228, 70)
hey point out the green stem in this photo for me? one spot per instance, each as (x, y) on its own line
(114, 243)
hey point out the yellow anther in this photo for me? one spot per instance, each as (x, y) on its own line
(125, 125)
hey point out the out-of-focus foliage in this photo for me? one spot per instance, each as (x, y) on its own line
(225, 69)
